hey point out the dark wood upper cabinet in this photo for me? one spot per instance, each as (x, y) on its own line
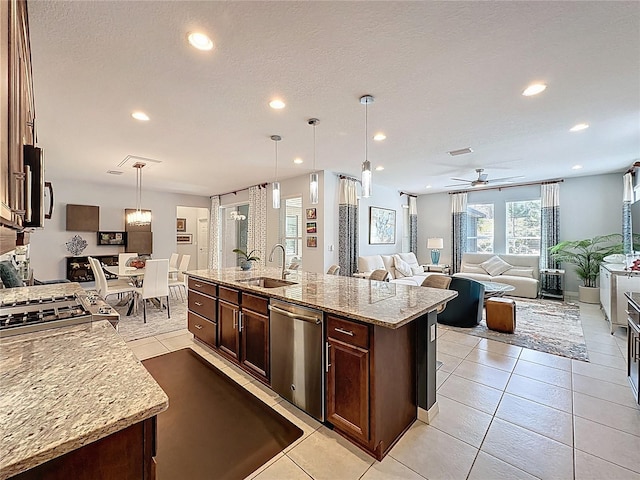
(83, 218)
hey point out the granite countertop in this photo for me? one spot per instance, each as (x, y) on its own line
(19, 294)
(390, 305)
(63, 388)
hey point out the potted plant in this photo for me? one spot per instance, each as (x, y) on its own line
(587, 256)
(246, 258)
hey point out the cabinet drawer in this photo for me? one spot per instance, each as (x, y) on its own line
(348, 332)
(202, 305)
(202, 287)
(255, 303)
(231, 295)
(202, 328)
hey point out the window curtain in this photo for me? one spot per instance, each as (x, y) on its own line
(257, 222)
(413, 225)
(627, 200)
(550, 233)
(348, 227)
(214, 233)
(458, 229)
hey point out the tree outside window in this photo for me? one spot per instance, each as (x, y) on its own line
(523, 227)
(480, 226)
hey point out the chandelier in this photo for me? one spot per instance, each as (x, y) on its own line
(139, 217)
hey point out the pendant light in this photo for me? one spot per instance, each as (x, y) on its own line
(139, 217)
(366, 165)
(276, 185)
(313, 178)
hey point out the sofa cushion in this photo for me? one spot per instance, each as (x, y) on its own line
(471, 268)
(495, 266)
(417, 270)
(402, 267)
(9, 275)
(389, 265)
(519, 272)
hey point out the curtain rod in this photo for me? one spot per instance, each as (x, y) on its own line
(408, 194)
(260, 185)
(347, 177)
(546, 182)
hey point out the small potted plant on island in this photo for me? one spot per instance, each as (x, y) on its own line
(587, 256)
(245, 258)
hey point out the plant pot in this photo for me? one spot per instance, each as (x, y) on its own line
(246, 265)
(589, 294)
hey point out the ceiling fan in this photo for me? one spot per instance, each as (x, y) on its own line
(482, 180)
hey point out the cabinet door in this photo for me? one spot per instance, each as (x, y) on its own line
(255, 343)
(348, 389)
(228, 338)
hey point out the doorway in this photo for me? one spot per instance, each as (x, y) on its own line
(192, 225)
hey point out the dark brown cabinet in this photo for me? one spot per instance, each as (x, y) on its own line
(229, 338)
(254, 335)
(371, 402)
(203, 312)
(79, 269)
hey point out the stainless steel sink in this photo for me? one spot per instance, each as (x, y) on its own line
(266, 282)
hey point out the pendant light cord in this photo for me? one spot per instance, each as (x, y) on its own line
(366, 130)
(314, 147)
(276, 160)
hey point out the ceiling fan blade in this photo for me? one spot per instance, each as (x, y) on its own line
(462, 180)
(505, 179)
(457, 185)
(483, 177)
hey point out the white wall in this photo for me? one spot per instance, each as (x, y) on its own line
(192, 215)
(589, 206)
(383, 197)
(48, 250)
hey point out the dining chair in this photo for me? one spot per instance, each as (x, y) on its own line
(381, 274)
(123, 258)
(155, 284)
(104, 288)
(333, 270)
(173, 264)
(438, 281)
(180, 282)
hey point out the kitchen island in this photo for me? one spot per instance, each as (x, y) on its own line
(75, 389)
(379, 344)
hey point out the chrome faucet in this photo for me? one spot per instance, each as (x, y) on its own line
(284, 273)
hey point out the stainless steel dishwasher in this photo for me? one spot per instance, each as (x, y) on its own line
(297, 356)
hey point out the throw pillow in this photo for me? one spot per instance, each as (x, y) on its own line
(402, 267)
(417, 270)
(520, 272)
(495, 266)
(469, 268)
(9, 275)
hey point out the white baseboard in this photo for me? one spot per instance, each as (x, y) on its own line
(427, 416)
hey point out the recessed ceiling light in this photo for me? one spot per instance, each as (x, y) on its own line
(576, 167)
(143, 117)
(200, 41)
(379, 168)
(534, 89)
(461, 151)
(378, 137)
(428, 186)
(297, 161)
(578, 127)
(276, 104)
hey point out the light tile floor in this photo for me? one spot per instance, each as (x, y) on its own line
(505, 413)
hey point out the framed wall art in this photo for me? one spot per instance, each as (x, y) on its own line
(311, 214)
(312, 227)
(312, 242)
(181, 224)
(184, 238)
(382, 226)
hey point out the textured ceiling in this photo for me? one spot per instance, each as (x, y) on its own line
(445, 75)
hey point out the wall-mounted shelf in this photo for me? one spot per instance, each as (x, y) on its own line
(112, 238)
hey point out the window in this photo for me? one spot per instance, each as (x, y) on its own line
(292, 231)
(523, 227)
(480, 225)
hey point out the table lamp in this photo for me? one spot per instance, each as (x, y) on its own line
(435, 244)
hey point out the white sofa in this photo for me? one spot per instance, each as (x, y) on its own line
(369, 263)
(523, 271)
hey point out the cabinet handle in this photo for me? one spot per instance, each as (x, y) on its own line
(198, 304)
(199, 327)
(346, 332)
(328, 357)
(197, 285)
(235, 314)
(240, 322)
(636, 353)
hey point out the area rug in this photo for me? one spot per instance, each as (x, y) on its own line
(213, 428)
(544, 325)
(133, 327)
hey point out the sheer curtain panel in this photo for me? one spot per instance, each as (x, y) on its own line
(458, 229)
(348, 227)
(257, 226)
(413, 225)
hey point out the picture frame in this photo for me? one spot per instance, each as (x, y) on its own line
(181, 224)
(312, 227)
(382, 226)
(112, 238)
(184, 238)
(311, 214)
(312, 242)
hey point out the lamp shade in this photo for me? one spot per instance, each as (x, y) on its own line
(435, 243)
